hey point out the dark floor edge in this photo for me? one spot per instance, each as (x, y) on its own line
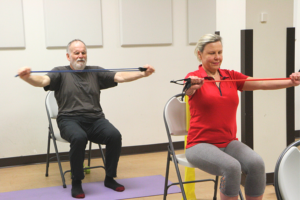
(269, 178)
(33, 159)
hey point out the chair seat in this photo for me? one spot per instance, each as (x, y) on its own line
(59, 138)
(183, 161)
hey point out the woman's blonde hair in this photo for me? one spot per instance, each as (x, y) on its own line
(204, 40)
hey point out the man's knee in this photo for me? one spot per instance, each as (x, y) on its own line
(79, 140)
(115, 136)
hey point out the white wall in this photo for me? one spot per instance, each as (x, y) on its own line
(134, 108)
(269, 52)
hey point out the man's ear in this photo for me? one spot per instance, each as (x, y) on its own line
(68, 56)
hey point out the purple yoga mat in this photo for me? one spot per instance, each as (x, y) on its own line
(134, 188)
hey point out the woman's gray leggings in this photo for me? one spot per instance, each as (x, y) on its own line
(229, 162)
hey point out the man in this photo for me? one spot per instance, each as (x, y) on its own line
(80, 117)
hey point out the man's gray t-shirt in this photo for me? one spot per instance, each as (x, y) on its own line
(79, 93)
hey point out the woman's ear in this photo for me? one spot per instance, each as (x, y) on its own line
(199, 55)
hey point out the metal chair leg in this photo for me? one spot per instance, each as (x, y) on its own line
(48, 151)
(59, 164)
(216, 188)
(89, 159)
(167, 176)
(241, 195)
(179, 178)
(102, 155)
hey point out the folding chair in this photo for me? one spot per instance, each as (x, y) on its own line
(52, 111)
(175, 122)
(287, 173)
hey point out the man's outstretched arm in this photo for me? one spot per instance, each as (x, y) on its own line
(122, 77)
(35, 80)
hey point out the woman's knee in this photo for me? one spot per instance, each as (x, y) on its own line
(256, 179)
(232, 169)
(256, 166)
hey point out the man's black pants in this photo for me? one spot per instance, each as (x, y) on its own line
(78, 130)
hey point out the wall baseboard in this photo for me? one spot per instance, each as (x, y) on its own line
(33, 159)
(297, 134)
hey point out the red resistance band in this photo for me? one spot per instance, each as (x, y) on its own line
(250, 79)
(188, 83)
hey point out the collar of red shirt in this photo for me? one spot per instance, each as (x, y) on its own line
(204, 74)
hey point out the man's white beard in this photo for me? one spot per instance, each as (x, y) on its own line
(78, 64)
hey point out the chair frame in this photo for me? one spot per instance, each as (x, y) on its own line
(52, 136)
(276, 184)
(172, 157)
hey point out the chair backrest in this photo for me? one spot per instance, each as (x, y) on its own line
(52, 111)
(175, 116)
(51, 105)
(287, 173)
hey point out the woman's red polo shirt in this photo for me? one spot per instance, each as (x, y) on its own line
(213, 109)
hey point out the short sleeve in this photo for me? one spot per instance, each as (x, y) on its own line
(190, 74)
(238, 75)
(106, 79)
(55, 80)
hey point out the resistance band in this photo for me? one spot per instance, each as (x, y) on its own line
(188, 83)
(253, 79)
(234, 80)
(142, 69)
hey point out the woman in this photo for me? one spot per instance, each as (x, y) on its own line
(212, 144)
